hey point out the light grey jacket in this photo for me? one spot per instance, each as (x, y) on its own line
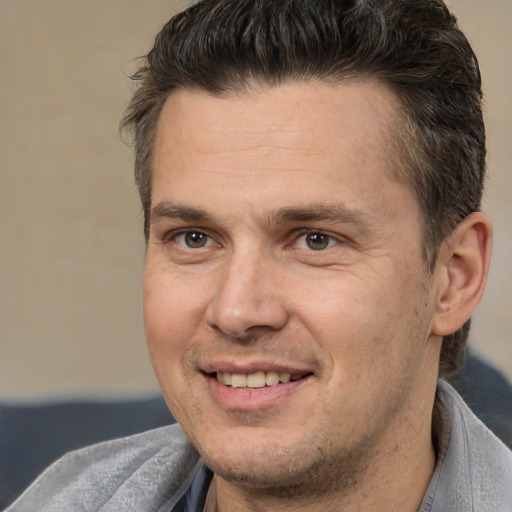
(151, 471)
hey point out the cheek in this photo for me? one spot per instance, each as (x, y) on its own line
(172, 304)
(361, 322)
(170, 320)
(342, 306)
(168, 329)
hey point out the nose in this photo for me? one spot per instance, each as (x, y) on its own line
(249, 300)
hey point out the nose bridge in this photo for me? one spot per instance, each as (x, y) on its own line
(248, 295)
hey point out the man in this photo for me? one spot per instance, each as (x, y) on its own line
(311, 175)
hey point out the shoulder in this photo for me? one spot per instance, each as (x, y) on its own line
(148, 471)
(474, 470)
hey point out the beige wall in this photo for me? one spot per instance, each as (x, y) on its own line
(71, 243)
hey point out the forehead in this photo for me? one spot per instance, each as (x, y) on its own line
(290, 139)
(355, 108)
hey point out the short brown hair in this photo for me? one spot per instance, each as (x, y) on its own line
(412, 46)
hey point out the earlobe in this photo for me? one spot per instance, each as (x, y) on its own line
(462, 268)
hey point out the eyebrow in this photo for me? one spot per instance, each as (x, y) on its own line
(168, 210)
(337, 213)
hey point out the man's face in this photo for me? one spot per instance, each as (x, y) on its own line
(284, 259)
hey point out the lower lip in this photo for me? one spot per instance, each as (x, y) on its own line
(247, 399)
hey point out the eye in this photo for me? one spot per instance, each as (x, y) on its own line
(192, 239)
(316, 241)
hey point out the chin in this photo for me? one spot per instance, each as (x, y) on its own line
(278, 465)
(260, 474)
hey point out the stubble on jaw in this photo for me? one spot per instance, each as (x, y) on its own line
(328, 479)
(333, 477)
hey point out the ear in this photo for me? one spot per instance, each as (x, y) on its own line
(461, 272)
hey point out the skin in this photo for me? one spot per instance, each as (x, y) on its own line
(309, 261)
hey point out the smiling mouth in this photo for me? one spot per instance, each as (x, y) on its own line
(257, 380)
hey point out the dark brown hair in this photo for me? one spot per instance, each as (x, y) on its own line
(412, 46)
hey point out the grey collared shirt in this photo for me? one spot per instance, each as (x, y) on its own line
(473, 472)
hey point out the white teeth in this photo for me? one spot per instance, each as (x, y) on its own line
(256, 380)
(238, 380)
(272, 378)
